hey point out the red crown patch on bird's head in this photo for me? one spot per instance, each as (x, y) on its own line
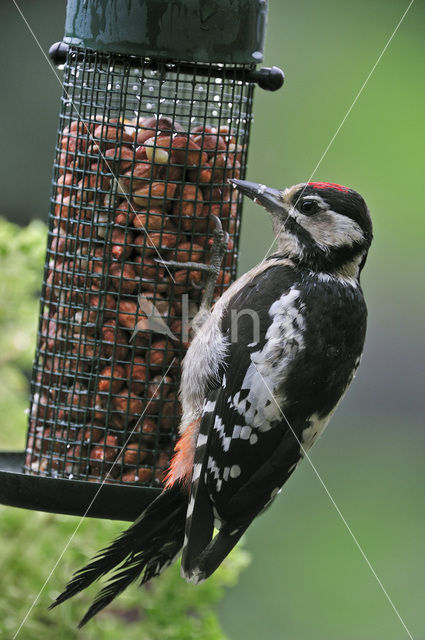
(328, 185)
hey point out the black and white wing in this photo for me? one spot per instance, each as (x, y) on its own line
(245, 449)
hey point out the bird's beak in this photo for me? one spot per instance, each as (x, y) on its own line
(270, 199)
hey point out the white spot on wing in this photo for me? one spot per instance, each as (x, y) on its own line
(236, 432)
(202, 439)
(245, 432)
(196, 471)
(190, 507)
(209, 407)
(235, 471)
(219, 426)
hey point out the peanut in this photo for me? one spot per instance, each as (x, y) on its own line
(118, 159)
(121, 240)
(157, 149)
(141, 476)
(133, 455)
(129, 405)
(210, 142)
(124, 214)
(123, 277)
(154, 193)
(147, 429)
(151, 220)
(136, 374)
(127, 314)
(186, 152)
(184, 280)
(152, 275)
(142, 173)
(160, 354)
(114, 341)
(187, 251)
(153, 243)
(103, 452)
(112, 133)
(111, 379)
(158, 387)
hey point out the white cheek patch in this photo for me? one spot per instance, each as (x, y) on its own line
(331, 229)
(288, 243)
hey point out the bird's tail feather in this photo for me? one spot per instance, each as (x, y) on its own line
(213, 555)
(148, 546)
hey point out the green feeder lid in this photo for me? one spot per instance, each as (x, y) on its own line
(219, 31)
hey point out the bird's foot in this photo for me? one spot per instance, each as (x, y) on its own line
(212, 269)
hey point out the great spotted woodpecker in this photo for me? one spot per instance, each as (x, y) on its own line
(260, 381)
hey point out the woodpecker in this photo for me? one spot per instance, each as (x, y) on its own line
(260, 382)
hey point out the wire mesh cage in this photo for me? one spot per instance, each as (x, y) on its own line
(143, 158)
(155, 119)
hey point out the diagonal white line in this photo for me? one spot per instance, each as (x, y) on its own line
(360, 91)
(338, 510)
(88, 508)
(92, 139)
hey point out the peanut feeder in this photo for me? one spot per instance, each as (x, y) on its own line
(155, 118)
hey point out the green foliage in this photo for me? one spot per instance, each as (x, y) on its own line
(169, 609)
(32, 542)
(21, 262)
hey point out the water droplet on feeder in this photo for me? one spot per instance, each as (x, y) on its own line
(257, 55)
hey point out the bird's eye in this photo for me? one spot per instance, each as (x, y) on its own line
(309, 207)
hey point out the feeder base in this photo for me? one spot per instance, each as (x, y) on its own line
(69, 497)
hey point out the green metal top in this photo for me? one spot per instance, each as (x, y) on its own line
(227, 31)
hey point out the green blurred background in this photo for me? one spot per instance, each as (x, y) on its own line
(307, 579)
